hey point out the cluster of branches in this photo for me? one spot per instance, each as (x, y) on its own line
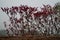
(30, 21)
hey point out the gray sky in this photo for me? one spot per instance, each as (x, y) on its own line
(10, 3)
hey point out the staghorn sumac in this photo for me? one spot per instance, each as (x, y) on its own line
(30, 20)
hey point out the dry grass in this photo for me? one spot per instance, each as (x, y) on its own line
(30, 37)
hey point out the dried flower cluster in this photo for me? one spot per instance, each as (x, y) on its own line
(31, 21)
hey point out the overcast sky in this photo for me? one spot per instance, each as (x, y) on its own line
(10, 3)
